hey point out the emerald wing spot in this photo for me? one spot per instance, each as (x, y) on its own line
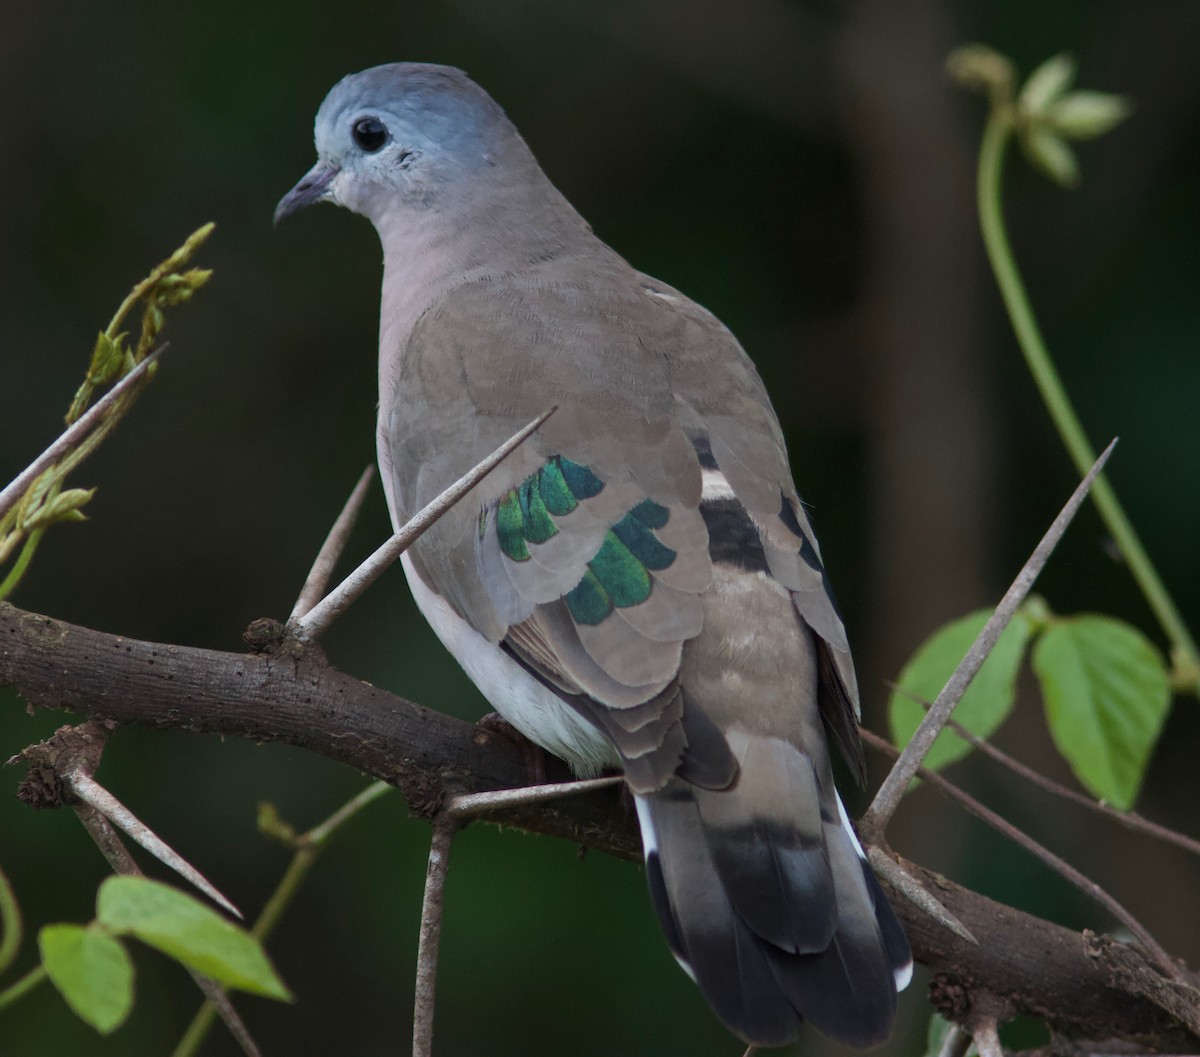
(622, 576)
(651, 514)
(618, 575)
(539, 526)
(509, 528)
(580, 480)
(556, 494)
(642, 544)
(588, 602)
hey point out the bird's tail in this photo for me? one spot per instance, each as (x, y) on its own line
(768, 903)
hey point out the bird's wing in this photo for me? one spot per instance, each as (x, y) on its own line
(587, 555)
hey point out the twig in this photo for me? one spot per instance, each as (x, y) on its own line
(101, 831)
(912, 889)
(308, 847)
(444, 828)
(319, 835)
(1040, 851)
(445, 825)
(956, 1042)
(987, 1037)
(467, 805)
(312, 624)
(73, 434)
(91, 792)
(895, 784)
(1129, 819)
(331, 549)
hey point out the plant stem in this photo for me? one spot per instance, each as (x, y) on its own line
(13, 578)
(1184, 653)
(26, 984)
(307, 848)
(10, 922)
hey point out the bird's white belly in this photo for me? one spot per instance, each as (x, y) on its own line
(536, 711)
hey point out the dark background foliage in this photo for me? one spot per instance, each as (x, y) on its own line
(803, 169)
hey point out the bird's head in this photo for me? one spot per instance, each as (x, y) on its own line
(404, 136)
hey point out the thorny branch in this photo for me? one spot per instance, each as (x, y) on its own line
(101, 830)
(1129, 819)
(894, 785)
(64, 763)
(1042, 853)
(453, 814)
(1082, 985)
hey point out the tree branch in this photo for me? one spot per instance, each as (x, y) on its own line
(1082, 985)
(284, 693)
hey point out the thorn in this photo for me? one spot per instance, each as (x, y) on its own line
(467, 805)
(312, 624)
(915, 892)
(95, 795)
(331, 550)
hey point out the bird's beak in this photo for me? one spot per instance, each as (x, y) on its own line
(313, 187)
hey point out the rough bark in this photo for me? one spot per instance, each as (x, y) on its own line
(1085, 986)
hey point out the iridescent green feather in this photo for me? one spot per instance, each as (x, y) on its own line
(642, 543)
(651, 514)
(509, 525)
(583, 483)
(539, 526)
(619, 573)
(622, 576)
(555, 492)
(588, 602)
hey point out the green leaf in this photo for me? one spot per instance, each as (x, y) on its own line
(988, 699)
(1049, 152)
(1107, 693)
(1046, 84)
(92, 972)
(1086, 115)
(63, 507)
(107, 357)
(185, 929)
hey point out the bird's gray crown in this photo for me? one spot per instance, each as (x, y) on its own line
(421, 104)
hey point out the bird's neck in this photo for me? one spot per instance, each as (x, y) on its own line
(429, 252)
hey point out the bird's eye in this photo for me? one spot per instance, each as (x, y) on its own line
(370, 134)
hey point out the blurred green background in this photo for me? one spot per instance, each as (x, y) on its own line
(803, 169)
